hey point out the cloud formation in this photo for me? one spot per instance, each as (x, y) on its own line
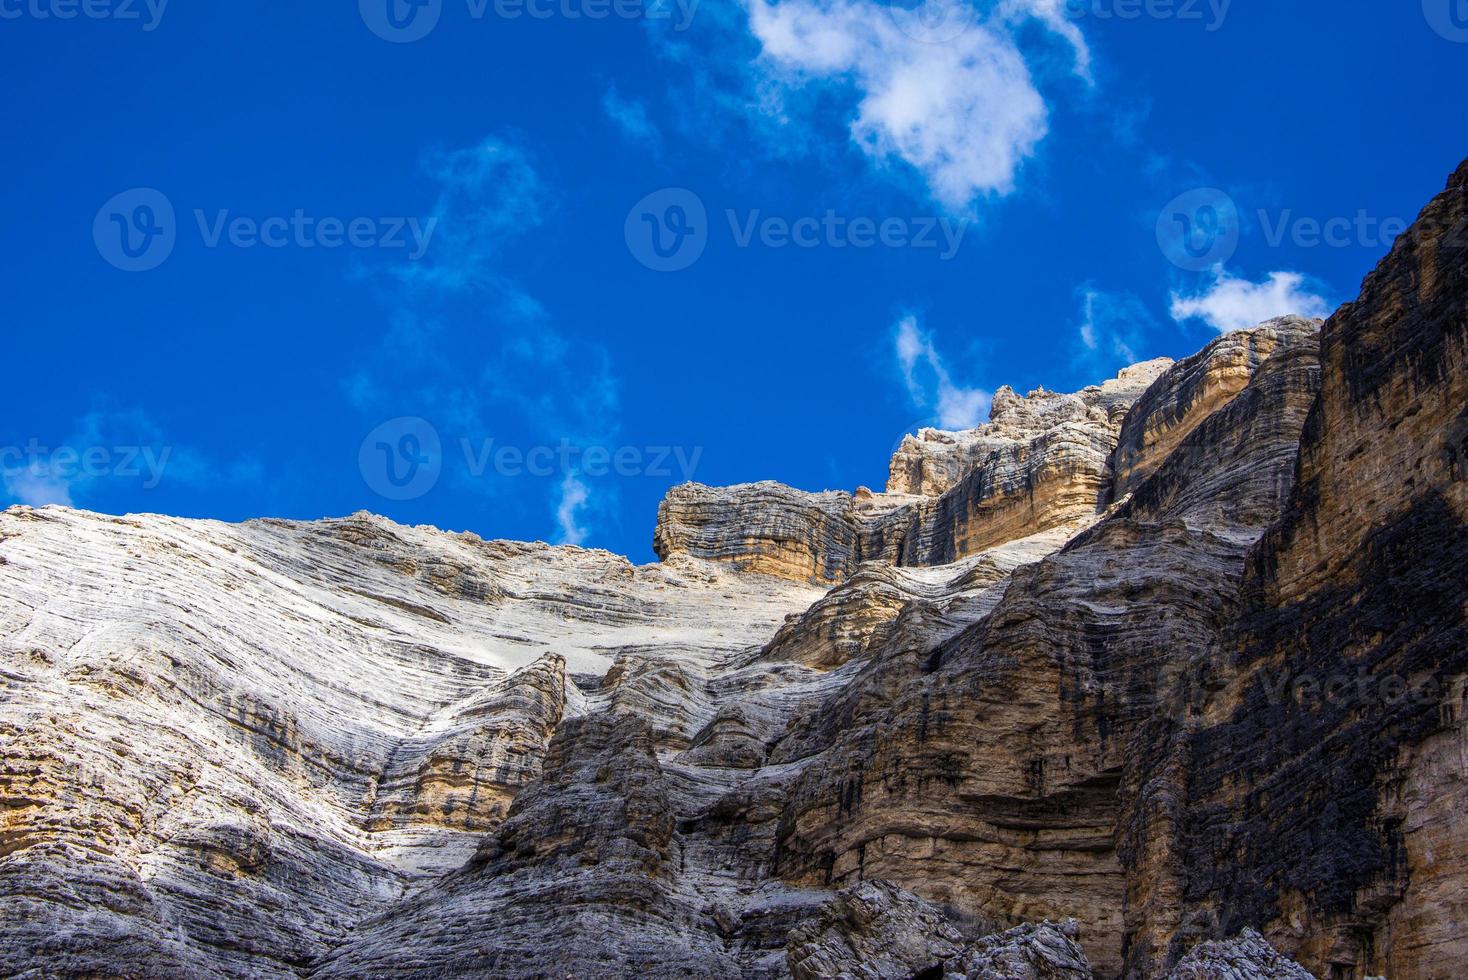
(936, 87)
(1113, 328)
(468, 347)
(929, 383)
(632, 120)
(574, 495)
(110, 449)
(1231, 303)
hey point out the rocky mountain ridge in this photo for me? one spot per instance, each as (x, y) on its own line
(1163, 678)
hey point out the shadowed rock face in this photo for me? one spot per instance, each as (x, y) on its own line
(1175, 662)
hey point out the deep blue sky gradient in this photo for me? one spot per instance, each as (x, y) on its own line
(264, 369)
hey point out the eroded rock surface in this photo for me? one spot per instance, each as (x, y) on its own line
(1042, 462)
(1166, 661)
(877, 931)
(1246, 957)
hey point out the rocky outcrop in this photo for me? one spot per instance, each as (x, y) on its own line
(1177, 668)
(1246, 957)
(933, 461)
(876, 931)
(1000, 753)
(1198, 386)
(224, 746)
(1042, 462)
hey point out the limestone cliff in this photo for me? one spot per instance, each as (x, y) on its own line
(1041, 462)
(1160, 679)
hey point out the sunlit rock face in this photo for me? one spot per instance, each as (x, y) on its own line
(1042, 462)
(1160, 679)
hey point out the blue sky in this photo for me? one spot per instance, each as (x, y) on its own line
(520, 274)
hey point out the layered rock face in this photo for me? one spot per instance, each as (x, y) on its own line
(1042, 462)
(1162, 679)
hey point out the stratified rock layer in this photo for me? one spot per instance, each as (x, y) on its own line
(1042, 462)
(1161, 679)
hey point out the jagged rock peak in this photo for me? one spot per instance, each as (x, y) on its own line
(1191, 391)
(931, 461)
(1042, 462)
(1247, 956)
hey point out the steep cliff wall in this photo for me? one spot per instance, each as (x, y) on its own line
(1175, 663)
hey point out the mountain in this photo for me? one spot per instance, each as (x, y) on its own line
(1162, 678)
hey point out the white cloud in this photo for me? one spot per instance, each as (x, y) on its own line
(929, 384)
(110, 449)
(574, 497)
(37, 484)
(1231, 303)
(631, 118)
(512, 375)
(1112, 328)
(488, 195)
(962, 110)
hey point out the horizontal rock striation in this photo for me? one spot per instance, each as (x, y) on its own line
(1321, 794)
(1198, 386)
(1162, 679)
(1042, 462)
(225, 745)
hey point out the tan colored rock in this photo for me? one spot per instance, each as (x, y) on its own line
(1041, 463)
(1068, 680)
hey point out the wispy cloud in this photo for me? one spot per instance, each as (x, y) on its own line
(469, 347)
(1230, 303)
(632, 120)
(109, 449)
(487, 196)
(929, 383)
(1113, 328)
(574, 496)
(960, 109)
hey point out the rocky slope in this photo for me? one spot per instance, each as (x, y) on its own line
(1160, 679)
